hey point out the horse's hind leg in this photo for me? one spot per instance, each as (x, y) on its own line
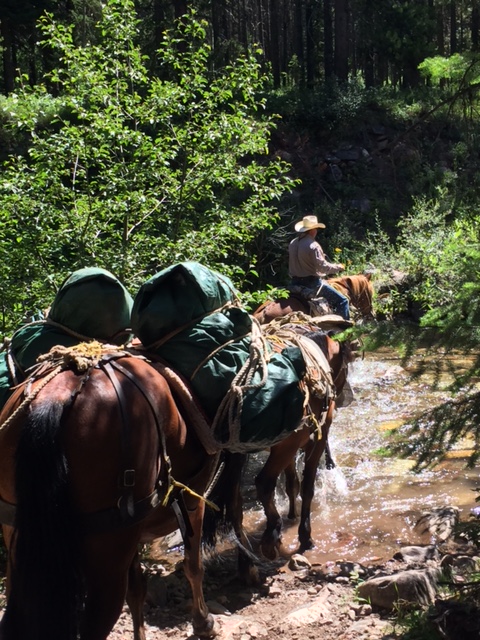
(107, 559)
(272, 535)
(136, 593)
(247, 569)
(292, 488)
(281, 456)
(203, 622)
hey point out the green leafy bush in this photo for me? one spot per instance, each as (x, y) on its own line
(136, 173)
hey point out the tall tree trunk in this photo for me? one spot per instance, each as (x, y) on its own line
(365, 42)
(243, 26)
(341, 40)
(310, 43)
(262, 22)
(159, 23)
(440, 17)
(286, 35)
(32, 66)
(327, 39)
(274, 42)
(8, 55)
(453, 27)
(475, 25)
(299, 41)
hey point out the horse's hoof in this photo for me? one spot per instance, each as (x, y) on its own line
(270, 551)
(305, 546)
(206, 628)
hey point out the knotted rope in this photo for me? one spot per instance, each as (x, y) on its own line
(230, 408)
(81, 357)
(318, 380)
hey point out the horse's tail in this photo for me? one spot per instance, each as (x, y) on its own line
(45, 588)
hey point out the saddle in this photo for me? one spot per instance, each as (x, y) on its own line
(312, 306)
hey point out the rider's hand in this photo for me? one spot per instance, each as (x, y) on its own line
(341, 266)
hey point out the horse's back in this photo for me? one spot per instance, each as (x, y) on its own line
(106, 416)
(273, 309)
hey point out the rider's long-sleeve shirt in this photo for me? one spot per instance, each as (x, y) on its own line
(306, 258)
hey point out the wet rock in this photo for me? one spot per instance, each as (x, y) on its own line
(439, 523)
(299, 563)
(466, 564)
(351, 569)
(417, 554)
(406, 588)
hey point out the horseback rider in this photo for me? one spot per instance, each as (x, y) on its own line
(308, 266)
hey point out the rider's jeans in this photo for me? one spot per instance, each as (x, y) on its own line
(318, 288)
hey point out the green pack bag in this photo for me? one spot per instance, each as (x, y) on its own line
(94, 303)
(91, 304)
(189, 315)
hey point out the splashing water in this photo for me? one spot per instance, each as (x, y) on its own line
(368, 506)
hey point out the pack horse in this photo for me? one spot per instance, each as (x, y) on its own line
(96, 459)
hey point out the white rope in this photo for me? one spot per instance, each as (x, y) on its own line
(230, 408)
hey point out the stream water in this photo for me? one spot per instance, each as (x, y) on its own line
(367, 507)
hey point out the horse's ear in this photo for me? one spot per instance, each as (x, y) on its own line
(368, 275)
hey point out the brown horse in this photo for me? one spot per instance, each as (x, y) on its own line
(311, 437)
(96, 459)
(358, 289)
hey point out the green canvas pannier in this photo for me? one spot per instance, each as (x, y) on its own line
(91, 304)
(189, 316)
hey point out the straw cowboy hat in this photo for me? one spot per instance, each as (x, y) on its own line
(307, 223)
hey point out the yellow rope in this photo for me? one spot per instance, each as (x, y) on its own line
(174, 484)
